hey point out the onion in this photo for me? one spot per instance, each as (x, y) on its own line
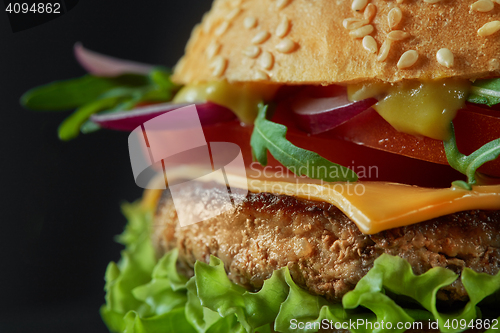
(317, 115)
(102, 65)
(209, 113)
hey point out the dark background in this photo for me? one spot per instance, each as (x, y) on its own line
(61, 200)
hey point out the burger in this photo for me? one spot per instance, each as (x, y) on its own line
(370, 138)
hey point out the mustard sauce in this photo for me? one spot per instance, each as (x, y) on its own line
(241, 98)
(421, 108)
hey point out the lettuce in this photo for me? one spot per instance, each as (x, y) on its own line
(147, 295)
(143, 295)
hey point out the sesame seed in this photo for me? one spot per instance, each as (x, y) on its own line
(358, 5)
(249, 22)
(261, 37)
(493, 64)
(398, 35)
(261, 75)
(280, 4)
(286, 46)
(394, 17)
(361, 32)
(408, 59)
(432, 1)
(497, 1)
(232, 14)
(212, 49)
(482, 6)
(283, 27)
(354, 23)
(370, 44)
(384, 50)
(489, 28)
(219, 66)
(222, 28)
(252, 51)
(370, 12)
(266, 60)
(207, 23)
(445, 57)
(399, 1)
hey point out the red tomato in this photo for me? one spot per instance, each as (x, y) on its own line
(375, 150)
(369, 164)
(474, 127)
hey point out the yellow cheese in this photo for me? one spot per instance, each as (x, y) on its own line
(374, 206)
(241, 98)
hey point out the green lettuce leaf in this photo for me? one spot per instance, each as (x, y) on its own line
(142, 293)
(147, 295)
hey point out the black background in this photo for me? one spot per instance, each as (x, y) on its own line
(60, 200)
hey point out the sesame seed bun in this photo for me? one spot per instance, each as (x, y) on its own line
(306, 41)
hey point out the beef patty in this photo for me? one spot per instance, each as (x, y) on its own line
(323, 249)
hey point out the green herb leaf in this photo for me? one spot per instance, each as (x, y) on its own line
(270, 136)
(469, 164)
(461, 184)
(161, 77)
(91, 94)
(125, 103)
(485, 92)
(70, 127)
(73, 93)
(161, 88)
(89, 127)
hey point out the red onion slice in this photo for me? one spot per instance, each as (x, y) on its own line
(317, 115)
(209, 113)
(103, 65)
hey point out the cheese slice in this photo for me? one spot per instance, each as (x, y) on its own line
(372, 206)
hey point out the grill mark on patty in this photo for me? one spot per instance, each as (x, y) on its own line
(324, 250)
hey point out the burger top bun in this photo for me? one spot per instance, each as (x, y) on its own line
(321, 41)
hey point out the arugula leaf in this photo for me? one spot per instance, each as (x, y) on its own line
(461, 184)
(269, 136)
(485, 92)
(125, 103)
(469, 164)
(70, 127)
(162, 77)
(73, 93)
(89, 127)
(91, 94)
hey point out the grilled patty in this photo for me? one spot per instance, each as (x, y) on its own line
(323, 249)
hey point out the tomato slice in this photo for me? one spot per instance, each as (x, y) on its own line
(375, 150)
(369, 164)
(474, 127)
(371, 130)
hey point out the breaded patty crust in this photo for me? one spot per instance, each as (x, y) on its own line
(324, 250)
